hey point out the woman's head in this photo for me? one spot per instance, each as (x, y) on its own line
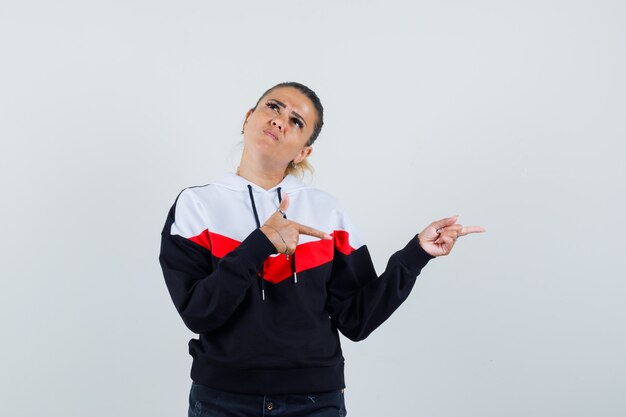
(310, 94)
(283, 124)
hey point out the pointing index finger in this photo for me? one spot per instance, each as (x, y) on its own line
(471, 229)
(307, 230)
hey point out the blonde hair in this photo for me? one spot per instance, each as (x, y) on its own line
(299, 170)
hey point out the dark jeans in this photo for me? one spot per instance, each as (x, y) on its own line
(208, 402)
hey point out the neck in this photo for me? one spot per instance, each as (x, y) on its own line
(261, 176)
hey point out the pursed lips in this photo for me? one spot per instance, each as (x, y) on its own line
(269, 133)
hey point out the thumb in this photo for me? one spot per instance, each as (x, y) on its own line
(445, 222)
(284, 203)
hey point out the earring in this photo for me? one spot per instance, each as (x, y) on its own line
(242, 131)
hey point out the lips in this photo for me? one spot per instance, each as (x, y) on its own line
(270, 134)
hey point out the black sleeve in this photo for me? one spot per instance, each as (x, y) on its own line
(359, 299)
(205, 297)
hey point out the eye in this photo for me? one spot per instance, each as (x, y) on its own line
(272, 105)
(297, 122)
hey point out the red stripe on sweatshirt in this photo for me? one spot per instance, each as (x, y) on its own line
(308, 255)
(342, 241)
(222, 245)
(203, 239)
(277, 268)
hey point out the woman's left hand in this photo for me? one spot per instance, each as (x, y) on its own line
(440, 236)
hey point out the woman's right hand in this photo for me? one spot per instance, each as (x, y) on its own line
(284, 233)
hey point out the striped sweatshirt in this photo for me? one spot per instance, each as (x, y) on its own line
(267, 323)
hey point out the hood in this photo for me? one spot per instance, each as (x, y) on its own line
(236, 183)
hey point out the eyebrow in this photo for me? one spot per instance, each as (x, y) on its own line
(281, 104)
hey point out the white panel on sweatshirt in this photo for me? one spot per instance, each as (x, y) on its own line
(190, 217)
(226, 209)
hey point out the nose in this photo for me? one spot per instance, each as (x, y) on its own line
(278, 123)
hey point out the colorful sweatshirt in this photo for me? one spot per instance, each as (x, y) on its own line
(267, 323)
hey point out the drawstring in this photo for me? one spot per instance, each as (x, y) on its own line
(258, 225)
(293, 255)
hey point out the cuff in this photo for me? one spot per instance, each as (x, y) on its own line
(413, 256)
(257, 247)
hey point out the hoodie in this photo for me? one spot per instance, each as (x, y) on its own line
(267, 323)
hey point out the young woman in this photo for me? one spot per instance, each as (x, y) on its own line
(267, 270)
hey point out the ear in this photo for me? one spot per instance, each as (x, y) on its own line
(248, 113)
(304, 153)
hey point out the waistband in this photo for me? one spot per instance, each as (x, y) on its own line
(269, 381)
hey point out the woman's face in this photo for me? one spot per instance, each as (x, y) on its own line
(280, 126)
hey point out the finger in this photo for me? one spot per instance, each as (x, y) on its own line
(439, 224)
(284, 202)
(446, 241)
(472, 229)
(451, 234)
(455, 227)
(307, 230)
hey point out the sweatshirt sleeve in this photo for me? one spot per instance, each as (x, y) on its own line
(205, 297)
(359, 299)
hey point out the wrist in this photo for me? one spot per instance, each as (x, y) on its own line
(275, 237)
(270, 232)
(420, 243)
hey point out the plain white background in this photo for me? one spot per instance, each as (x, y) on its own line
(509, 113)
